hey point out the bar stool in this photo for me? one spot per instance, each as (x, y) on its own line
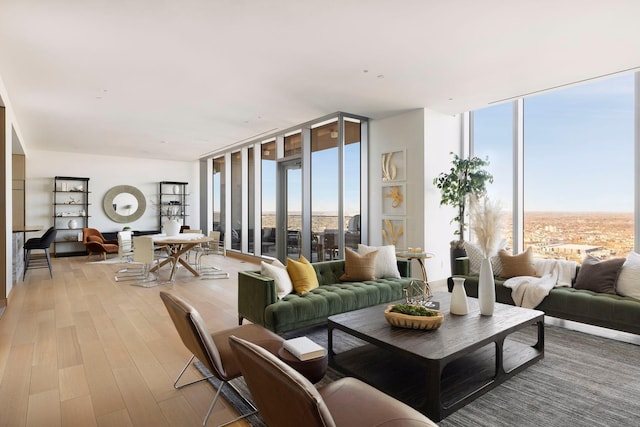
(39, 243)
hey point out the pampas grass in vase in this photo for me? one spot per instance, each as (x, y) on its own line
(485, 224)
(486, 217)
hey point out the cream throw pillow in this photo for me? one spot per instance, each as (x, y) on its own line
(386, 263)
(628, 284)
(278, 272)
(474, 253)
(359, 267)
(517, 265)
(302, 275)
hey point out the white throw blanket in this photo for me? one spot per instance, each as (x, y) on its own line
(529, 291)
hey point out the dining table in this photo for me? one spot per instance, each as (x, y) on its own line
(175, 247)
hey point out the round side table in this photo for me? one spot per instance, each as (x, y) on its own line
(312, 369)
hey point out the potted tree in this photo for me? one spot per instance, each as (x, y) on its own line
(466, 178)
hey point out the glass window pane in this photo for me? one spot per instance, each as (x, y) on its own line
(251, 196)
(324, 192)
(236, 200)
(218, 195)
(579, 168)
(493, 140)
(268, 183)
(352, 170)
(293, 145)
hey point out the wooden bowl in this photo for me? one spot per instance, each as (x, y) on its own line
(413, 322)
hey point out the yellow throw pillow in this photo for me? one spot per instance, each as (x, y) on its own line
(359, 267)
(517, 265)
(302, 275)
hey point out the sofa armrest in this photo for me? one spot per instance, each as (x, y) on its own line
(255, 293)
(404, 267)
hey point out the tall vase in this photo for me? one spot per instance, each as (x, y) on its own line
(486, 288)
(459, 303)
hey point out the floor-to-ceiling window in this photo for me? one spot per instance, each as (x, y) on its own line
(578, 166)
(268, 197)
(577, 163)
(493, 141)
(219, 188)
(309, 184)
(325, 190)
(352, 181)
(251, 194)
(236, 200)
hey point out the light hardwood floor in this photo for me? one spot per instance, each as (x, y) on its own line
(84, 350)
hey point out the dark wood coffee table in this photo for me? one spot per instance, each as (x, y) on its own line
(438, 372)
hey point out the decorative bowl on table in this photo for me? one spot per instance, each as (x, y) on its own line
(432, 320)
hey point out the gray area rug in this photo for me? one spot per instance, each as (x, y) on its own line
(583, 380)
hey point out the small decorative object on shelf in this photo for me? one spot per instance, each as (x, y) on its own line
(73, 224)
(459, 304)
(413, 317)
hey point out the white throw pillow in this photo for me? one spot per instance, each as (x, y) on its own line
(474, 253)
(278, 272)
(386, 263)
(628, 284)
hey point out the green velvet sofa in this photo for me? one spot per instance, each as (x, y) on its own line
(258, 303)
(599, 309)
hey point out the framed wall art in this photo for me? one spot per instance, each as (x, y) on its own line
(393, 232)
(394, 166)
(394, 201)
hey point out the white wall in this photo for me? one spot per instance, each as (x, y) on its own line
(105, 172)
(428, 137)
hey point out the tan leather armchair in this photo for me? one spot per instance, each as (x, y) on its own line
(282, 395)
(213, 349)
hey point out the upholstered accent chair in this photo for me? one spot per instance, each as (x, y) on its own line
(213, 349)
(97, 244)
(281, 394)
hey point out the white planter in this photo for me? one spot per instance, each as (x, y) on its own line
(176, 189)
(486, 288)
(459, 304)
(171, 228)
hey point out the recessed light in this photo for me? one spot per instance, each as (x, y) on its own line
(381, 76)
(365, 71)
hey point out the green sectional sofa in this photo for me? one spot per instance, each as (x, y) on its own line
(599, 309)
(257, 300)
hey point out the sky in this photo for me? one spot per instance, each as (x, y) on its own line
(578, 148)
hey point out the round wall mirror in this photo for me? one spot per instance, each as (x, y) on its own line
(124, 203)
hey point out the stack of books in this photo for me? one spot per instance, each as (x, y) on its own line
(304, 349)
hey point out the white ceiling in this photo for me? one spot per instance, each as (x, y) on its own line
(176, 80)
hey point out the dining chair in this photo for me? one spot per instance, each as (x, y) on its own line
(215, 247)
(193, 250)
(144, 255)
(213, 350)
(43, 242)
(125, 245)
(285, 397)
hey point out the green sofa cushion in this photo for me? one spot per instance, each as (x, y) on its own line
(296, 311)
